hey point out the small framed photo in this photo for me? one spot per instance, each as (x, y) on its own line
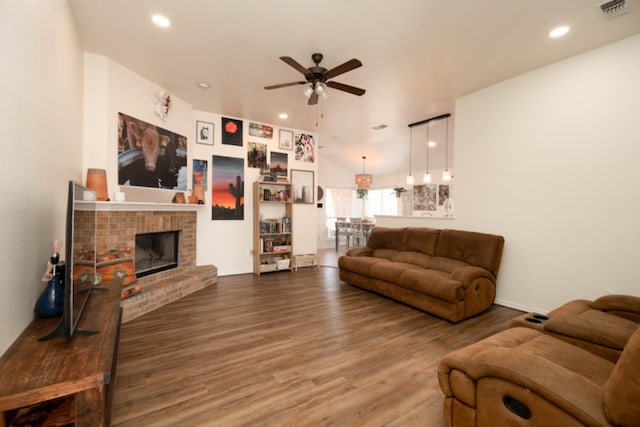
(286, 139)
(204, 133)
(302, 186)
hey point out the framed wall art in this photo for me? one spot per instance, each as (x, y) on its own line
(302, 186)
(231, 131)
(286, 139)
(204, 133)
(262, 131)
(150, 156)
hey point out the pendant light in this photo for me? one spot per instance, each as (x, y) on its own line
(410, 177)
(363, 180)
(446, 175)
(427, 175)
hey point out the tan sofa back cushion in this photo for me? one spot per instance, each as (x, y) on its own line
(478, 249)
(622, 390)
(421, 239)
(385, 237)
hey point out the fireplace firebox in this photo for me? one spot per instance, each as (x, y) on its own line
(156, 252)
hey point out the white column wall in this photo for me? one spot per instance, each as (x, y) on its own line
(41, 134)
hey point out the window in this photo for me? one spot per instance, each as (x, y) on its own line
(343, 203)
(381, 201)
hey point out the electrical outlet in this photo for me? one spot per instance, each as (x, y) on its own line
(609, 291)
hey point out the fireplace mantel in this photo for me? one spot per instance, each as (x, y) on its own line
(144, 206)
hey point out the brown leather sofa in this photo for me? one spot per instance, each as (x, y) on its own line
(448, 273)
(523, 377)
(602, 327)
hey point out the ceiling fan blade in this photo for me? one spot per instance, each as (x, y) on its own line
(346, 88)
(284, 85)
(295, 64)
(340, 69)
(313, 99)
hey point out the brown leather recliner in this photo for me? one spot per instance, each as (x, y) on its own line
(523, 377)
(602, 327)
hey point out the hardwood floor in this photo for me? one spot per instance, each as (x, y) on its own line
(288, 349)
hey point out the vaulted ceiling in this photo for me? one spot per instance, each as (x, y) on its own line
(418, 56)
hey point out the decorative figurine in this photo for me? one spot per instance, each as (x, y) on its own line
(51, 301)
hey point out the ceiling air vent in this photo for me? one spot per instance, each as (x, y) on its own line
(614, 8)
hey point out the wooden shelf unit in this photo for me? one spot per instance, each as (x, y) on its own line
(272, 227)
(83, 367)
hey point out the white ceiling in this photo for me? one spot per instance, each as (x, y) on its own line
(417, 55)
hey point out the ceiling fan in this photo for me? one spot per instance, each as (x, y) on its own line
(319, 77)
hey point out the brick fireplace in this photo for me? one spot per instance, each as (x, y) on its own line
(118, 228)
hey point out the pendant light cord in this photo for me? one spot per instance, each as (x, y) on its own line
(446, 148)
(427, 147)
(410, 147)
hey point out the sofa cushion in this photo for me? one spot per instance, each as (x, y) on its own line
(391, 271)
(360, 264)
(479, 249)
(384, 237)
(413, 257)
(445, 264)
(621, 402)
(421, 239)
(389, 254)
(593, 326)
(626, 306)
(434, 283)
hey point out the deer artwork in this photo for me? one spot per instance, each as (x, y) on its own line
(237, 191)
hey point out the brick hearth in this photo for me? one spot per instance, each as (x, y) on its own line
(117, 229)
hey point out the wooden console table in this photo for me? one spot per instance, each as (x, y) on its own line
(84, 367)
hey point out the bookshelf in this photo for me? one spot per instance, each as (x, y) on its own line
(272, 228)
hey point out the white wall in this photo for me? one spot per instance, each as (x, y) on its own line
(549, 160)
(112, 88)
(41, 110)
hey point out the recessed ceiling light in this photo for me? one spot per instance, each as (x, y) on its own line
(431, 144)
(203, 85)
(558, 32)
(283, 115)
(161, 21)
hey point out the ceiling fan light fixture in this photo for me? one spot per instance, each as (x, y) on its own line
(308, 91)
(319, 78)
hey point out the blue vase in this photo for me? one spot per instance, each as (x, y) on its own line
(51, 301)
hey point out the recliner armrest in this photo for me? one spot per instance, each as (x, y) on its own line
(559, 385)
(360, 251)
(469, 273)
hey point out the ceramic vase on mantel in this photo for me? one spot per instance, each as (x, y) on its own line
(97, 181)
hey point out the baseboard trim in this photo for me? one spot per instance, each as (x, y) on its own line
(521, 307)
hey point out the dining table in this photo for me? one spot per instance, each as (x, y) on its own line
(347, 229)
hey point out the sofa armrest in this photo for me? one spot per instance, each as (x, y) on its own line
(361, 251)
(470, 273)
(621, 305)
(557, 384)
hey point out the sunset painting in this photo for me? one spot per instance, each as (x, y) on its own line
(227, 189)
(279, 164)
